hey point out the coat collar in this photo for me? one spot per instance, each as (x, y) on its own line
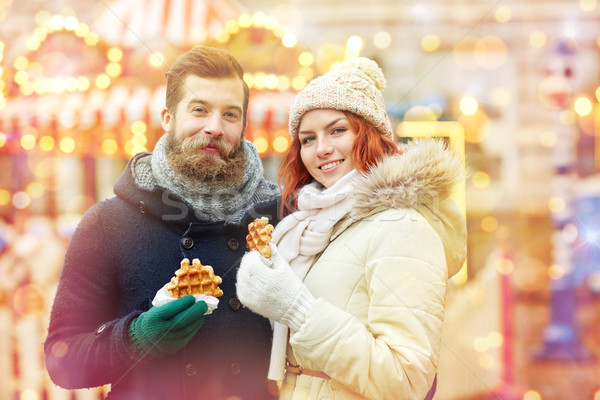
(421, 178)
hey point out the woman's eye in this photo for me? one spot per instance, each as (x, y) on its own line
(307, 140)
(339, 130)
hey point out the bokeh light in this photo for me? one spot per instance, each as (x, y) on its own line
(532, 395)
(261, 144)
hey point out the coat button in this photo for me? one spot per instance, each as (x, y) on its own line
(142, 207)
(187, 242)
(233, 244)
(234, 303)
(191, 369)
(235, 368)
(101, 328)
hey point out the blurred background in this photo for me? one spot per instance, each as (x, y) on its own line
(512, 85)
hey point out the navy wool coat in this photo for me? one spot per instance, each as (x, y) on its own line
(123, 251)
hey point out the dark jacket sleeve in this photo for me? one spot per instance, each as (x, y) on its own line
(87, 343)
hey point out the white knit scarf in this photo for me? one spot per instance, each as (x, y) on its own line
(301, 236)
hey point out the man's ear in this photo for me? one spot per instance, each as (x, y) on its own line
(165, 120)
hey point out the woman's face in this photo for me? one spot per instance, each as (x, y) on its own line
(326, 140)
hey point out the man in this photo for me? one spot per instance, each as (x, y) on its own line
(193, 197)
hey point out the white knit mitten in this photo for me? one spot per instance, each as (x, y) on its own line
(270, 288)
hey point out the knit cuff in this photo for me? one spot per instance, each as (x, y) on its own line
(296, 314)
(135, 344)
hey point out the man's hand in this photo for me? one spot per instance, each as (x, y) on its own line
(168, 328)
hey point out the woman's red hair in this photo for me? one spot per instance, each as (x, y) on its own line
(369, 147)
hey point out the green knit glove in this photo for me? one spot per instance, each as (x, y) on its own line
(168, 328)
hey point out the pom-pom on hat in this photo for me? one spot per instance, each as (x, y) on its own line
(354, 85)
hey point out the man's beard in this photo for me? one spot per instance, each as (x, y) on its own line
(222, 170)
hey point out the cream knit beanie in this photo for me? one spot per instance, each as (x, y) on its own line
(355, 85)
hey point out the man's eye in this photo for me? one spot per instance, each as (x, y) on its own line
(199, 109)
(232, 115)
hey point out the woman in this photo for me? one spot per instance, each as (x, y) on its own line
(360, 263)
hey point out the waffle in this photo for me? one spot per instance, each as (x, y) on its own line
(194, 279)
(259, 236)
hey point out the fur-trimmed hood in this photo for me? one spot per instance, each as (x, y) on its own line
(421, 178)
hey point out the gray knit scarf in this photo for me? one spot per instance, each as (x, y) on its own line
(210, 203)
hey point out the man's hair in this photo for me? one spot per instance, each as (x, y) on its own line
(205, 62)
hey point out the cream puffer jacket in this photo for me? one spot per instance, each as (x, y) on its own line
(380, 285)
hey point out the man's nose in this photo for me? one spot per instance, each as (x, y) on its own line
(214, 125)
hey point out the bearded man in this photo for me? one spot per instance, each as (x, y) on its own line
(193, 197)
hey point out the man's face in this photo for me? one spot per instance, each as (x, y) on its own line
(209, 113)
(205, 134)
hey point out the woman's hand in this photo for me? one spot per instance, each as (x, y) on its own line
(270, 288)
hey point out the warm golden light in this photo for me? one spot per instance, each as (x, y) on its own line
(289, 40)
(67, 145)
(113, 69)
(306, 59)
(500, 96)
(114, 54)
(495, 339)
(139, 140)
(83, 84)
(283, 83)
(556, 204)
(281, 144)
(271, 81)
(583, 106)
(556, 271)
(481, 344)
(486, 361)
(259, 19)
(537, 39)
(272, 22)
(354, 43)
(587, 5)
(430, 43)
(468, 105)
(82, 30)
(232, 27)
(489, 224)
(46, 143)
(71, 23)
(91, 39)
(298, 83)
(35, 189)
(109, 147)
(481, 179)
(103, 81)
(28, 142)
(2, 139)
(138, 127)
(57, 22)
(382, 40)
(503, 14)
(249, 79)
(261, 144)
(4, 197)
(505, 266)
(156, 60)
(245, 21)
(548, 139)
(598, 94)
